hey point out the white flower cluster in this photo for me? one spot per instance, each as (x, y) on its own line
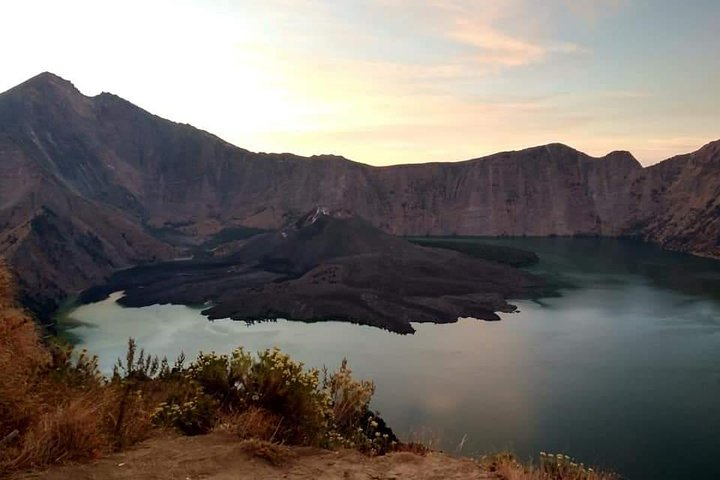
(292, 372)
(561, 464)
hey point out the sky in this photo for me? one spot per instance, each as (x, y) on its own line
(392, 81)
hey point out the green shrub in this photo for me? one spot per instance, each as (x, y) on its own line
(192, 413)
(331, 412)
(79, 371)
(137, 368)
(350, 397)
(284, 387)
(215, 376)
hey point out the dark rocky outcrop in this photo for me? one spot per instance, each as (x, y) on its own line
(332, 265)
(121, 186)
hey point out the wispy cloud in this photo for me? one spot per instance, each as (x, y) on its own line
(476, 27)
(498, 49)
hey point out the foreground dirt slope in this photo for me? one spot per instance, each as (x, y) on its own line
(221, 456)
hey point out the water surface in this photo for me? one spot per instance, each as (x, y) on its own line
(621, 370)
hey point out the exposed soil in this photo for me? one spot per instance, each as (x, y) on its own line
(221, 456)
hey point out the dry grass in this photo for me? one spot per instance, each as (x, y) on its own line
(74, 430)
(258, 423)
(423, 440)
(129, 416)
(506, 467)
(272, 453)
(21, 358)
(54, 408)
(413, 448)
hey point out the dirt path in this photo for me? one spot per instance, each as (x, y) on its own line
(221, 456)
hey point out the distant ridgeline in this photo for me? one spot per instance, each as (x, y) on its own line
(92, 185)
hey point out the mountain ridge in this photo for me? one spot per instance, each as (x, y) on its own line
(109, 169)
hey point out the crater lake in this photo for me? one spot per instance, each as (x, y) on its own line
(620, 369)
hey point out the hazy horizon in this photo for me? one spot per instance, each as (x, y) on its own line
(391, 81)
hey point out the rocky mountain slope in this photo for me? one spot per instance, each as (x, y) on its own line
(92, 184)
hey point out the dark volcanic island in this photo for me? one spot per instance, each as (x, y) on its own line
(330, 266)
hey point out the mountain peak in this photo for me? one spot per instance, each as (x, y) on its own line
(320, 212)
(46, 83)
(560, 146)
(549, 149)
(620, 153)
(48, 77)
(46, 103)
(623, 156)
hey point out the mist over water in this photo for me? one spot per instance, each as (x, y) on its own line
(621, 370)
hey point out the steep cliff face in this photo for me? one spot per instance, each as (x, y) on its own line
(102, 180)
(677, 203)
(548, 190)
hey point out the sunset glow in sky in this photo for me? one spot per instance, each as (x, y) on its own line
(392, 81)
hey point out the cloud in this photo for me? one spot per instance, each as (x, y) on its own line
(500, 49)
(480, 27)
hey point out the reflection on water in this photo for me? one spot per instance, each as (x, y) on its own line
(622, 370)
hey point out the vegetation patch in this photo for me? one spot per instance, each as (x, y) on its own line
(552, 467)
(55, 406)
